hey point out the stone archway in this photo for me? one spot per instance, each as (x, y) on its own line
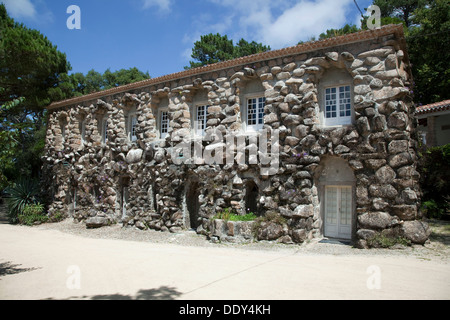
(251, 198)
(192, 205)
(336, 184)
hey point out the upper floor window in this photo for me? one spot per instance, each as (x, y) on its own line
(164, 124)
(105, 130)
(255, 113)
(83, 131)
(338, 106)
(200, 120)
(132, 126)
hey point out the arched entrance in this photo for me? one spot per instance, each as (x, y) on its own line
(192, 218)
(251, 198)
(336, 184)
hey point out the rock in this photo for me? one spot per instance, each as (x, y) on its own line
(299, 235)
(385, 175)
(304, 211)
(97, 222)
(270, 231)
(417, 231)
(134, 155)
(383, 191)
(375, 220)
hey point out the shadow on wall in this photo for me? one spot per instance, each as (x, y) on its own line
(161, 293)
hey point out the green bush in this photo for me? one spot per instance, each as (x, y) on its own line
(382, 241)
(23, 193)
(228, 215)
(434, 168)
(32, 213)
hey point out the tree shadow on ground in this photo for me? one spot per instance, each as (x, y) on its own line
(8, 268)
(161, 293)
(440, 231)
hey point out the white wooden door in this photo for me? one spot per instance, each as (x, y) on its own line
(338, 212)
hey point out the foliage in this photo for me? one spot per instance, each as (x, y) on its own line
(228, 215)
(434, 168)
(330, 33)
(30, 65)
(401, 9)
(429, 51)
(34, 73)
(33, 213)
(213, 48)
(380, 240)
(22, 194)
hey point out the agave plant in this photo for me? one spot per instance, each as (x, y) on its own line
(24, 192)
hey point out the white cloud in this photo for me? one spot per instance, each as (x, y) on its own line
(162, 5)
(307, 18)
(20, 8)
(285, 22)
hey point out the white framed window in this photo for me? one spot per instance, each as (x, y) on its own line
(105, 130)
(255, 113)
(338, 106)
(200, 119)
(83, 131)
(132, 128)
(163, 124)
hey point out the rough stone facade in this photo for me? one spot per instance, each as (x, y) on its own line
(109, 158)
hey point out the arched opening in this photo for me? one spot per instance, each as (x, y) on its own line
(251, 198)
(192, 218)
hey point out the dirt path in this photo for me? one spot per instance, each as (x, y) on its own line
(39, 263)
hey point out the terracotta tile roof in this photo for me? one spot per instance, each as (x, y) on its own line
(298, 49)
(434, 107)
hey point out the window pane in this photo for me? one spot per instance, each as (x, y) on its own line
(133, 128)
(164, 123)
(201, 117)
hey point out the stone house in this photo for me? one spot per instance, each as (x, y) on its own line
(334, 116)
(434, 123)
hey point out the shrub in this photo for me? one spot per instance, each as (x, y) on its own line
(434, 168)
(382, 241)
(22, 193)
(228, 215)
(32, 213)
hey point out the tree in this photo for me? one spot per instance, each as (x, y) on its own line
(330, 33)
(30, 65)
(402, 9)
(213, 48)
(429, 50)
(30, 68)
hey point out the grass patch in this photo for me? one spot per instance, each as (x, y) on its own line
(382, 241)
(228, 215)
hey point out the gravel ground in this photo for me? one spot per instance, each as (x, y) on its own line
(436, 249)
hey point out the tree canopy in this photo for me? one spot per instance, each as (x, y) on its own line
(213, 48)
(34, 73)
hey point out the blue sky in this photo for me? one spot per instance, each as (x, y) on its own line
(158, 35)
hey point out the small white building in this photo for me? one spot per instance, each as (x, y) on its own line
(434, 123)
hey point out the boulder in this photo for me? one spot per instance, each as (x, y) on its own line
(97, 222)
(375, 220)
(417, 232)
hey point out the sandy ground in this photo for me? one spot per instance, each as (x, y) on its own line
(46, 263)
